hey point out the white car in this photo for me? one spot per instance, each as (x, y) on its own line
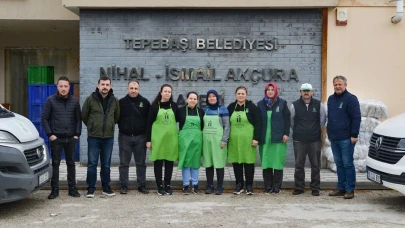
(386, 156)
(24, 158)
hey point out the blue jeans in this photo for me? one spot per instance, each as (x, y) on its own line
(343, 155)
(99, 147)
(187, 173)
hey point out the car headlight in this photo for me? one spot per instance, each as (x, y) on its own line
(6, 137)
(45, 149)
(401, 144)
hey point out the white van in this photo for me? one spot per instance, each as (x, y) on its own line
(386, 156)
(24, 157)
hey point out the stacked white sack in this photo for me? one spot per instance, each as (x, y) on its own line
(371, 112)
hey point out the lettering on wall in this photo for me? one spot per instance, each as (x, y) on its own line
(185, 44)
(208, 73)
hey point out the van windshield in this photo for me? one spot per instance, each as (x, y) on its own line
(4, 113)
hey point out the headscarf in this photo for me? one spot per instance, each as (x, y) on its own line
(270, 100)
(216, 105)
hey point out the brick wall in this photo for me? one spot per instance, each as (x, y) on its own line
(298, 34)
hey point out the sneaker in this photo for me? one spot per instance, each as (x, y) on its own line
(337, 192)
(168, 190)
(90, 194)
(54, 193)
(143, 189)
(108, 192)
(349, 195)
(238, 189)
(220, 190)
(124, 190)
(275, 191)
(161, 191)
(73, 192)
(195, 189)
(249, 190)
(298, 192)
(209, 189)
(267, 190)
(186, 190)
(315, 192)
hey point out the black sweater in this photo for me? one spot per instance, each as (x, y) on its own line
(253, 116)
(181, 115)
(133, 115)
(153, 111)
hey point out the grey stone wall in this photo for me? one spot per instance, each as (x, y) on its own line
(102, 45)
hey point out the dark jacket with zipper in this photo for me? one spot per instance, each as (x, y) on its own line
(133, 115)
(307, 126)
(61, 116)
(101, 114)
(344, 116)
(252, 113)
(280, 120)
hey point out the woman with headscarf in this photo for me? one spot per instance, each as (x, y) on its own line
(215, 139)
(275, 117)
(243, 139)
(190, 119)
(162, 137)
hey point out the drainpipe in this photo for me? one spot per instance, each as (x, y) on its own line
(400, 11)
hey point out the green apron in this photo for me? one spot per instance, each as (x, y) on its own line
(240, 149)
(272, 155)
(190, 142)
(213, 155)
(164, 136)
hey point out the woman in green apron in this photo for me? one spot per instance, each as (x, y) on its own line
(215, 138)
(243, 139)
(190, 119)
(275, 117)
(162, 137)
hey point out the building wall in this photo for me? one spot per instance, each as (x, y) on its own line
(102, 34)
(35, 10)
(370, 52)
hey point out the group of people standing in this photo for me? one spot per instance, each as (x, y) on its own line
(214, 135)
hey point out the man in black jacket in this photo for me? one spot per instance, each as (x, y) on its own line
(62, 123)
(132, 136)
(308, 116)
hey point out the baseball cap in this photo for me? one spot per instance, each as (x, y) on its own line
(306, 86)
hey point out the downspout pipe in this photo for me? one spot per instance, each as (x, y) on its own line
(400, 12)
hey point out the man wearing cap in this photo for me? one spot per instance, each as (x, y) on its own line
(308, 116)
(344, 118)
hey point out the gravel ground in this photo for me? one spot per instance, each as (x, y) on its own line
(382, 208)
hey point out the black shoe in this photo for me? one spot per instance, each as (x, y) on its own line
(267, 190)
(249, 190)
(54, 193)
(73, 192)
(238, 189)
(161, 191)
(168, 190)
(220, 190)
(143, 189)
(298, 192)
(90, 193)
(124, 190)
(186, 190)
(195, 189)
(315, 192)
(275, 191)
(209, 189)
(108, 192)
